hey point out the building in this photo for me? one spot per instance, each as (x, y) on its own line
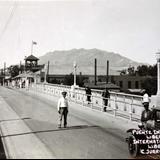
(102, 86)
(125, 82)
(31, 64)
(56, 78)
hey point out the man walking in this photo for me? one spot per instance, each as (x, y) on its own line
(63, 109)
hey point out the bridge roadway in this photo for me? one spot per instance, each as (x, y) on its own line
(90, 134)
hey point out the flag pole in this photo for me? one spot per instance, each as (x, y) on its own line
(32, 48)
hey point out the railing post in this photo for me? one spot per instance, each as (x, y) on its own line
(53, 90)
(92, 101)
(75, 96)
(131, 108)
(125, 107)
(82, 99)
(102, 107)
(115, 106)
(69, 92)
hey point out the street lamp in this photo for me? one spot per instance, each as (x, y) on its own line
(158, 78)
(75, 68)
(74, 86)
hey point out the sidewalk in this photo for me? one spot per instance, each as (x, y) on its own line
(18, 140)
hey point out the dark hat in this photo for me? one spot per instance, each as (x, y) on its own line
(64, 93)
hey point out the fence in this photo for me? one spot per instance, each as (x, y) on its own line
(119, 104)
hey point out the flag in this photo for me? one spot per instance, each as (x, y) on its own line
(34, 42)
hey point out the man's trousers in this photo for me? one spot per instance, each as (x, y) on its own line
(63, 111)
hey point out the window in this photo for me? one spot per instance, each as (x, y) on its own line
(137, 85)
(121, 84)
(113, 82)
(129, 84)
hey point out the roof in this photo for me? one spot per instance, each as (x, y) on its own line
(25, 75)
(102, 86)
(31, 58)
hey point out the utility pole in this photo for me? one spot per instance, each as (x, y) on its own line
(25, 65)
(20, 68)
(75, 69)
(95, 74)
(47, 71)
(107, 74)
(4, 73)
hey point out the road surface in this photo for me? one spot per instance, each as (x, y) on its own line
(87, 136)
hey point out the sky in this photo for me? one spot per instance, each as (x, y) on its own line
(127, 27)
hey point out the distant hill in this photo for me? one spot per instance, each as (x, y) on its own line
(61, 62)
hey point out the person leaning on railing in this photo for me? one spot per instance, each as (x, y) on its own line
(88, 94)
(106, 96)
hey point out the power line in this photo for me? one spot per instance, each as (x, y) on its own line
(8, 20)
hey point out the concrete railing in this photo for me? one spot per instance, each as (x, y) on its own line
(119, 104)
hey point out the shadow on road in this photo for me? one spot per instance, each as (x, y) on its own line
(2, 152)
(53, 130)
(79, 127)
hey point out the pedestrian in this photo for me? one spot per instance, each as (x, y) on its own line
(146, 115)
(20, 84)
(63, 109)
(146, 99)
(106, 96)
(27, 84)
(88, 93)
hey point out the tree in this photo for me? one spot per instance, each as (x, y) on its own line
(123, 72)
(153, 70)
(14, 70)
(143, 70)
(150, 85)
(131, 71)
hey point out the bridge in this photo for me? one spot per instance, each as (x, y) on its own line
(29, 119)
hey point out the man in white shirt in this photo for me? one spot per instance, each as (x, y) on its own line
(146, 116)
(63, 109)
(145, 98)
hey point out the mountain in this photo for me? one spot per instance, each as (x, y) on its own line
(61, 62)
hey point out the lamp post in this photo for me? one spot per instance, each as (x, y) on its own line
(75, 68)
(45, 73)
(158, 78)
(74, 86)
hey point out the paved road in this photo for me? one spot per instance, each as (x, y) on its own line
(86, 137)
